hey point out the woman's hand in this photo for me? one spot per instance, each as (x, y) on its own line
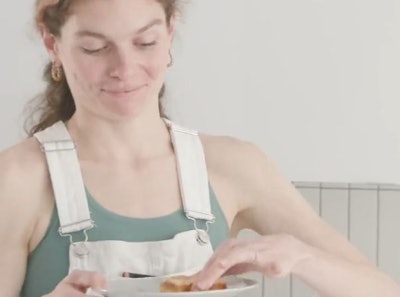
(77, 283)
(274, 256)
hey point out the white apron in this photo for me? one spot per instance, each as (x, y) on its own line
(186, 253)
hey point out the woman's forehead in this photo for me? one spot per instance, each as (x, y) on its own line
(112, 16)
(135, 11)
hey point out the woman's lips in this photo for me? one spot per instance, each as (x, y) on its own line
(123, 92)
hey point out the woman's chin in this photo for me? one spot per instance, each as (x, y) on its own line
(125, 105)
(126, 110)
(121, 113)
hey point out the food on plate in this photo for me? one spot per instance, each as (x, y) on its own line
(181, 283)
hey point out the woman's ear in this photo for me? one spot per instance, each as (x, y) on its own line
(171, 27)
(50, 43)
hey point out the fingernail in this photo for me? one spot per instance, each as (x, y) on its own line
(97, 292)
(201, 285)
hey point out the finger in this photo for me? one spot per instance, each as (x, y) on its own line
(240, 269)
(222, 250)
(66, 290)
(252, 249)
(221, 264)
(82, 280)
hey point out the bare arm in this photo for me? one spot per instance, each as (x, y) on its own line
(333, 276)
(13, 254)
(295, 239)
(16, 225)
(334, 267)
(276, 207)
(26, 203)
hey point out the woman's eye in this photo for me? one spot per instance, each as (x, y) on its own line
(93, 51)
(148, 44)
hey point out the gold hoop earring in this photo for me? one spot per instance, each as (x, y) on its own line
(171, 60)
(56, 72)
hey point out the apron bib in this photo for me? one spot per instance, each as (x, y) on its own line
(186, 253)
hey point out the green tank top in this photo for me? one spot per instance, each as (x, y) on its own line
(48, 264)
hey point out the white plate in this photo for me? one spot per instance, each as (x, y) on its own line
(146, 287)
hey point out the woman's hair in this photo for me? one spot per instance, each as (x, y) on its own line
(56, 102)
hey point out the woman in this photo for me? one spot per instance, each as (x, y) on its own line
(99, 186)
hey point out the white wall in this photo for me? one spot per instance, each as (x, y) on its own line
(314, 83)
(21, 59)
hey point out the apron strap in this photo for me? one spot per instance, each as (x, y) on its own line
(192, 172)
(66, 178)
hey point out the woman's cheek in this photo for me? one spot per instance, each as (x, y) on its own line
(159, 64)
(88, 70)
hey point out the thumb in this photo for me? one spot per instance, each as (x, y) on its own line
(82, 280)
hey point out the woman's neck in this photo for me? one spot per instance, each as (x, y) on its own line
(138, 139)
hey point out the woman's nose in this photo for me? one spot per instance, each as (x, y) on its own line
(123, 65)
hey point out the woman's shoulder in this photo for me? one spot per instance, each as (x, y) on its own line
(233, 153)
(23, 165)
(243, 168)
(24, 189)
(24, 153)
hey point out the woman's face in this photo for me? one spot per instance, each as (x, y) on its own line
(114, 54)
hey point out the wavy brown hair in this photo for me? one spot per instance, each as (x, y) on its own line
(56, 102)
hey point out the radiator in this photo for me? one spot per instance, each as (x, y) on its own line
(367, 214)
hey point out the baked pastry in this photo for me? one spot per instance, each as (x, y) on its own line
(181, 283)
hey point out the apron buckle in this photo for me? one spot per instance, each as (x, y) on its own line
(79, 248)
(202, 236)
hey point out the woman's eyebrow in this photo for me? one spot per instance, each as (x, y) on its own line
(155, 22)
(84, 33)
